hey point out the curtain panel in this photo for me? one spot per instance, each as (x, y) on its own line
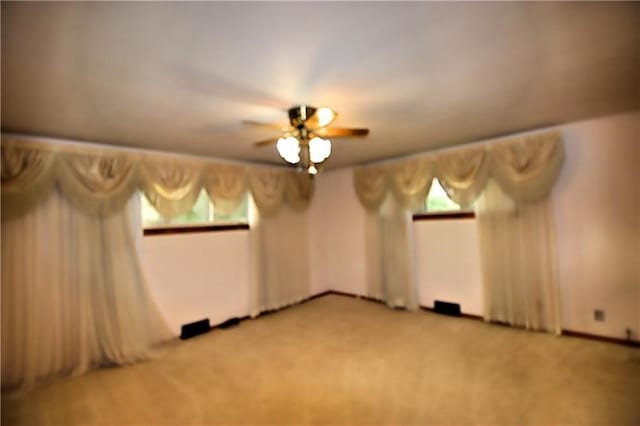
(519, 261)
(280, 259)
(389, 255)
(512, 181)
(73, 294)
(279, 239)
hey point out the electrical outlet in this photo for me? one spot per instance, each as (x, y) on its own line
(598, 315)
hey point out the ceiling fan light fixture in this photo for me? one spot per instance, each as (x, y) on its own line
(324, 116)
(319, 150)
(302, 144)
(289, 149)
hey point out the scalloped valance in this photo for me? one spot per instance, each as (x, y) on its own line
(371, 185)
(525, 167)
(171, 187)
(98, 184)
(411, 181)
(463, 174)
(225, 184)
(101, 181)
(27, 177)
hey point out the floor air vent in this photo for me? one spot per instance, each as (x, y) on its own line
(447, 308)
(231, 322)
(195, 328)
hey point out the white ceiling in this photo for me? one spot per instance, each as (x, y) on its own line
(182, 76)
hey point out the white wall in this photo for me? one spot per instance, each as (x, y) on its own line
(199, 275)
(208, 275)
(448, 263)
(598, 225)
(337, 229)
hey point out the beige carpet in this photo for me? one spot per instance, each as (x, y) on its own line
(341, 360)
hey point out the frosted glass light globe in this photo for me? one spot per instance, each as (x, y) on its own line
(325, 116)
(319, 150)
(289, 149)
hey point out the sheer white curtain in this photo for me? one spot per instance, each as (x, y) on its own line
(73, 296)
(519, 265)
(389, 255)
(389, 244)
(517, 233)
(279, 239)
(280, 260)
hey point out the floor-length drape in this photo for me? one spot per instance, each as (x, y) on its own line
(279, 238)
(519, 265)
(388, 243)
(73, 295)
(389, 255)
(280, 259)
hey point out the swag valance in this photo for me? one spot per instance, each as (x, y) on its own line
(100, 182)
(525, 167)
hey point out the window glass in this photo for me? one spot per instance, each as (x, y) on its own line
(438, 201)
(202, 213)
(240, 215)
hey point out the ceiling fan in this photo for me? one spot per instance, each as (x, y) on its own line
(304, 143)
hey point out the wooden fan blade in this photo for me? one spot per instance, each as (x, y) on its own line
(266, 142)
(336, 132)
(274, 126)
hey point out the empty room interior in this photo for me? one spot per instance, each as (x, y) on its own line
(320, 213)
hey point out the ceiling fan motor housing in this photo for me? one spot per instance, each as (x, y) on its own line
(298, 115)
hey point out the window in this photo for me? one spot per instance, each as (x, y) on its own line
(439, 206)
(438, 201)
(202, 213)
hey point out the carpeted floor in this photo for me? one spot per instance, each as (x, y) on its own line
(341, 360)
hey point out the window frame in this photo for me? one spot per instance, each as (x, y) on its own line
(195, 227)
(456, 215)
